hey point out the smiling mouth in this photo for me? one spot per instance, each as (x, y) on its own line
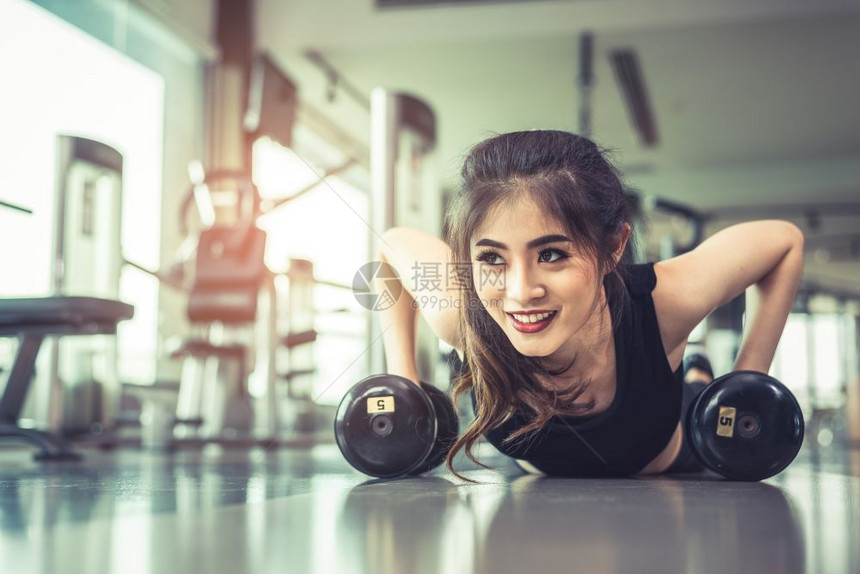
(531, 322)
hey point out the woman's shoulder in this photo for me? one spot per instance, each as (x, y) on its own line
(640, 278)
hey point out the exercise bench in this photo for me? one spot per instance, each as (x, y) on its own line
(31, 320)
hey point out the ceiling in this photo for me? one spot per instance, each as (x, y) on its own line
(755, 101)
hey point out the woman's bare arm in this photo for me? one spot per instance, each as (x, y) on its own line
(422, 263)
(764, 256)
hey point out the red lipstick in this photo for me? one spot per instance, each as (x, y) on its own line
(532, 327)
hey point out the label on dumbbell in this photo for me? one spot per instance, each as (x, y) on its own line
(380, 405)
(726, 422)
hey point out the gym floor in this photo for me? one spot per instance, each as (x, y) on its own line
(307, 511)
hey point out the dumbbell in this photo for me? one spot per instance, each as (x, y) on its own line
(387, 426)
(745, 425)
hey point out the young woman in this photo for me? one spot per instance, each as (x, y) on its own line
(571, 352)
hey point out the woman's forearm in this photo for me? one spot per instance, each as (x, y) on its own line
(768, 303)
(399, 325)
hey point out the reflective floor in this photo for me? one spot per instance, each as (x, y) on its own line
(307, 511)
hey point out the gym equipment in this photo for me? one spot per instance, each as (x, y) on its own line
(387, 427)
(296, 350)
(745, 425)
(83, 376)
(229, 275)
(237, 307)
(31, 320)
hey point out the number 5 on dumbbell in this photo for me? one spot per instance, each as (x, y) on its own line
(380, 405)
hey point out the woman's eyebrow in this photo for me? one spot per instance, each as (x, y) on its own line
(531, 244)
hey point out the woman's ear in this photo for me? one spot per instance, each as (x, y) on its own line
(621, 239)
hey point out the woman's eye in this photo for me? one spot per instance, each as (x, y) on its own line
(489, 258)
(546, 256)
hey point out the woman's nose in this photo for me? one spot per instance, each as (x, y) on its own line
(522, 284)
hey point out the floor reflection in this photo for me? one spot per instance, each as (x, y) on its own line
(655, 525)
(280, 512)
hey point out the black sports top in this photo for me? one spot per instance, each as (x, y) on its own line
(638, 424)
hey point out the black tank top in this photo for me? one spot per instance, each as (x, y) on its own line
(638, 424)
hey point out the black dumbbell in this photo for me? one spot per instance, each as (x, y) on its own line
(745, 425)
(387, 426)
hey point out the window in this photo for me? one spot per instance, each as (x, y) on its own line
(76, 85)
(808, 359)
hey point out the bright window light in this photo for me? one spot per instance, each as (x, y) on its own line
(59, 80)
(327, 226)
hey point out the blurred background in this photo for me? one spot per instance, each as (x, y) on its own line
(272, 115)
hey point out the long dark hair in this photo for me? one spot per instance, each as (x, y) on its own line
(565, 175)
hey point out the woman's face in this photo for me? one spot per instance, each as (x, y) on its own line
(533, 280)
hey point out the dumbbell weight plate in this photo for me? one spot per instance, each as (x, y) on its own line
(447, 428)
(745, 425)
(385, 426)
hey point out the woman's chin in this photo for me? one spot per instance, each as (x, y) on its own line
(538, 351)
